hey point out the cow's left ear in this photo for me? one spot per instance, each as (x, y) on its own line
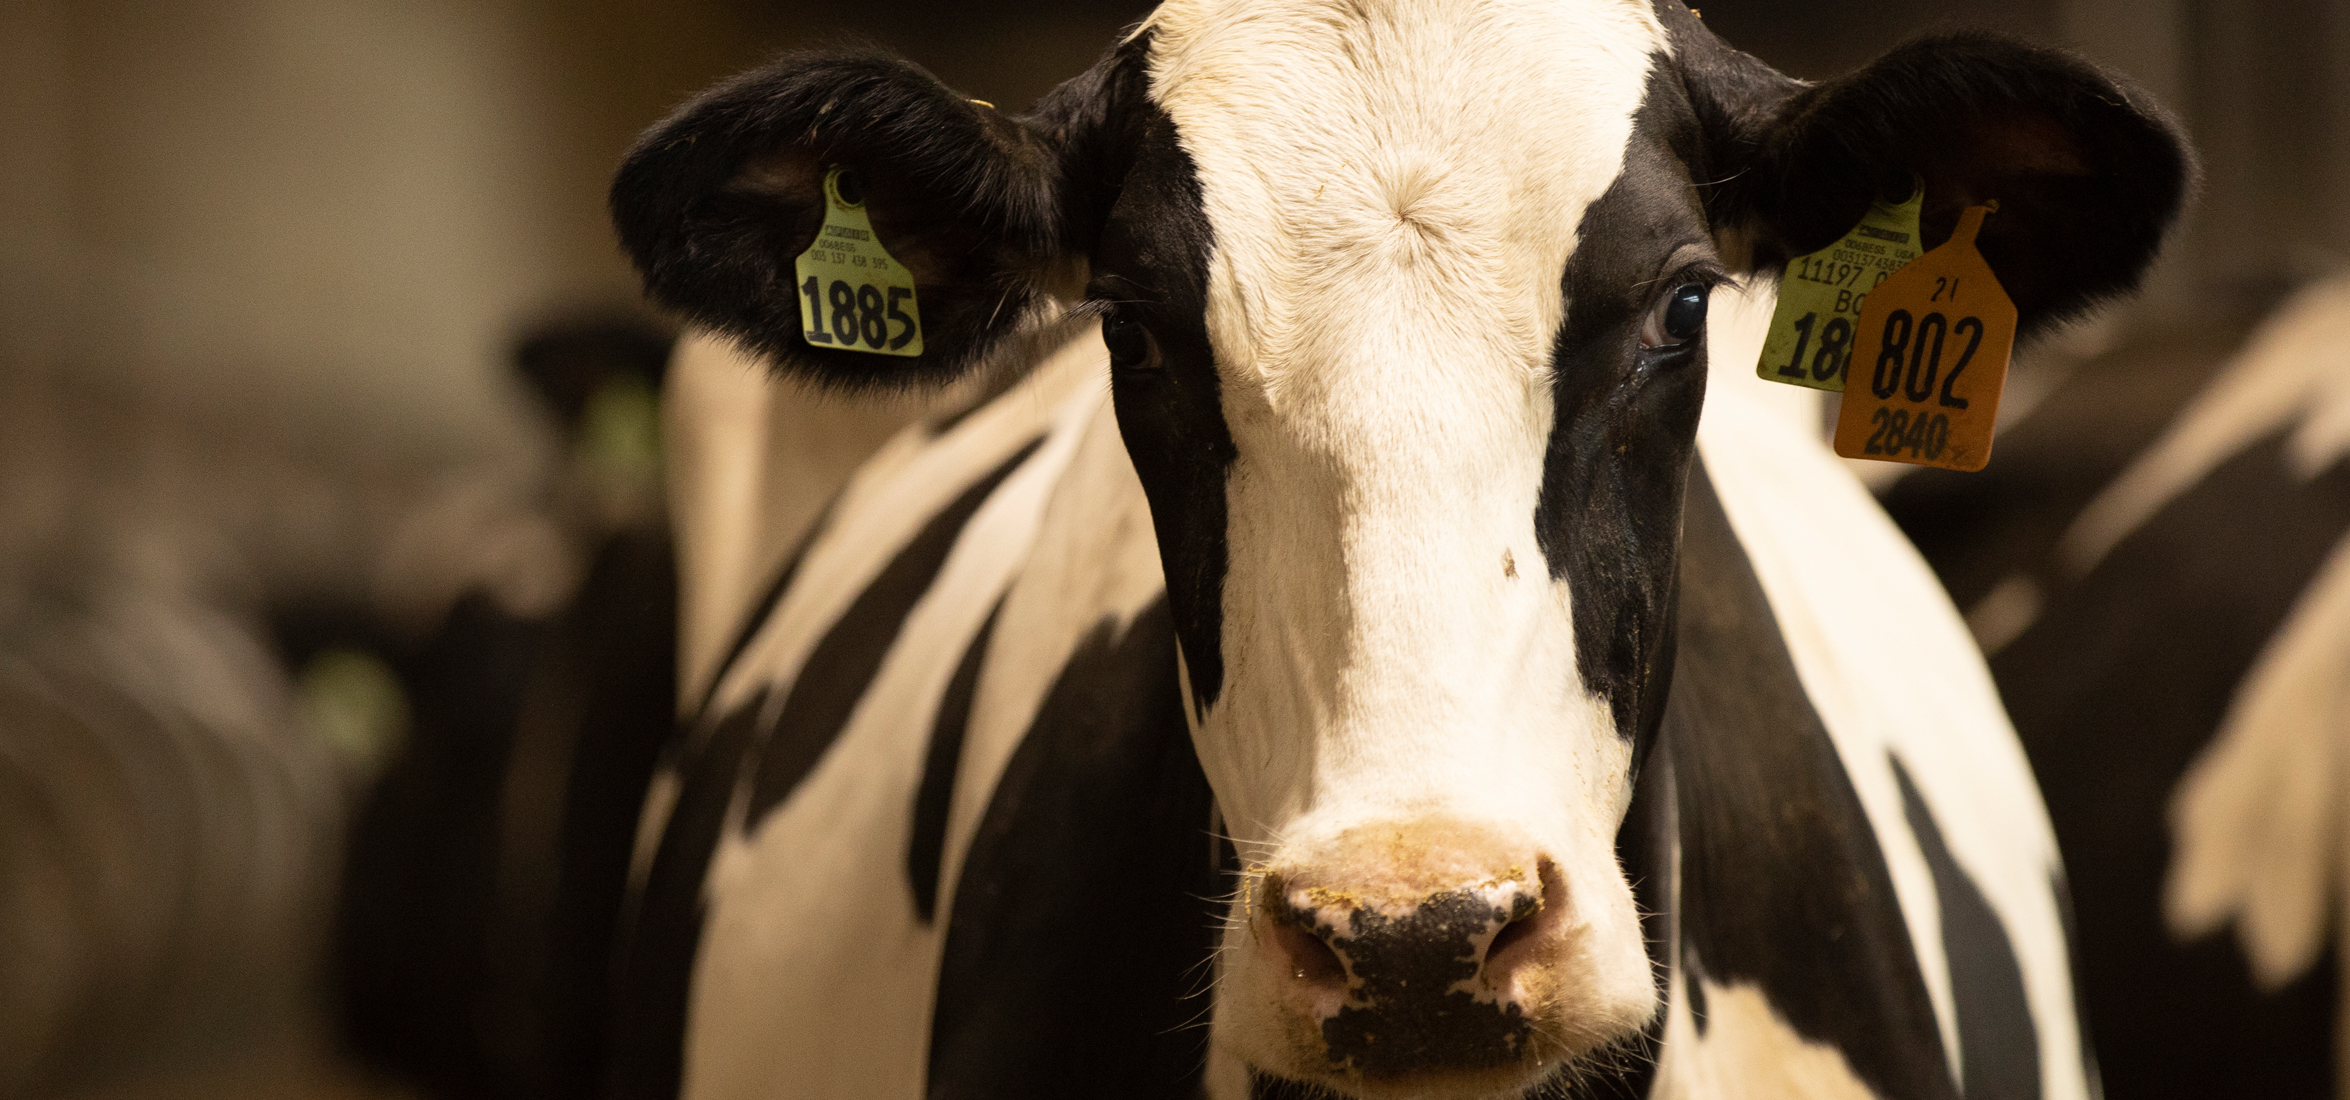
(2088, 171)
(992, 215)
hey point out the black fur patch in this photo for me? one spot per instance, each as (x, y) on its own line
(841, 668)
(1782, 882)
(1153, 266)
(1083, 924)
(1998, 1046)
(927, 848)
(1608, 518)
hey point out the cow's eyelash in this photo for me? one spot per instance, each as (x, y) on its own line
(1109, 290)
(1707, 273)
(1096, 306)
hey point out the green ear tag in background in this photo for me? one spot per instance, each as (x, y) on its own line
(1820, 297)
(853, 295)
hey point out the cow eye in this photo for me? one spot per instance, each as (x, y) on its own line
(1676, 319)
(1128, 341)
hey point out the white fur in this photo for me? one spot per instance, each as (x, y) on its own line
(1747, 1049)
(1095, 560)
(815, 901)
(1747, 1052)
(751, 462)
(1383, 293)
(1891, 669)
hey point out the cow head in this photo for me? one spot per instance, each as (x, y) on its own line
(1405, 308)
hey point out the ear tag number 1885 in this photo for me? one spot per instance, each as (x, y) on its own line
(853, 295)
(1820, 297)
(1929, 359)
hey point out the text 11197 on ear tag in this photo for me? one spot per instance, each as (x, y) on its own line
(1929, 359)
(1820, 297)
(853, 295)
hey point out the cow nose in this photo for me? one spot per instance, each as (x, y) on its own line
(1409, 983)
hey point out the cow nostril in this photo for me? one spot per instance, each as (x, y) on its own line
(1506, 950)
(1497, 954)
(1306, 955)
(1309, 959)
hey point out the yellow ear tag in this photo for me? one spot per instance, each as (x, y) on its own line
(1932, 356)
(1821, 295)
(853, 296)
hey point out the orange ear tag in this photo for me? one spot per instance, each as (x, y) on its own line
(1929, 358)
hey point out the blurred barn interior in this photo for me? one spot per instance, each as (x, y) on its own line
(327, 464)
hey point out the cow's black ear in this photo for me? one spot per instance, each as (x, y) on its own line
(992, 215)
(2089, 171)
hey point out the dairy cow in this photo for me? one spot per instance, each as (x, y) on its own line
(1372, 680)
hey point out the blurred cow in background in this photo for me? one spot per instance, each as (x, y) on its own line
(2158, 563)
(486, 870)
(174, 794)
(485, 867)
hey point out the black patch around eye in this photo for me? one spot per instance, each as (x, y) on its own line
(1129, 343)
(1627, 394)
(1685, 312)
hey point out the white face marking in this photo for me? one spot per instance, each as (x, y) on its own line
(1384, 293)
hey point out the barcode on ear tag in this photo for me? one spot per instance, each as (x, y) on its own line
(1820, 297)
(1930, 357)
(854, 296)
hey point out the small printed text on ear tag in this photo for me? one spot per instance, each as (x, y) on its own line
(1929, 359)
(1820, 298)
(853, 295)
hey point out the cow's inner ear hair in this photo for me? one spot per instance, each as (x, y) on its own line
(716, 204)
(2089, 172)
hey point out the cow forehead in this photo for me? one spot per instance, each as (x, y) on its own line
(1361, 162)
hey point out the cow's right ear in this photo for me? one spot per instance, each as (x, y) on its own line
(993, 216)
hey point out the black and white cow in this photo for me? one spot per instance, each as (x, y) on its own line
(2159, 566)
(1356, 686)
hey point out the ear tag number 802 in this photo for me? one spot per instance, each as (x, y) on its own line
(1929, 359)
(853, 295)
